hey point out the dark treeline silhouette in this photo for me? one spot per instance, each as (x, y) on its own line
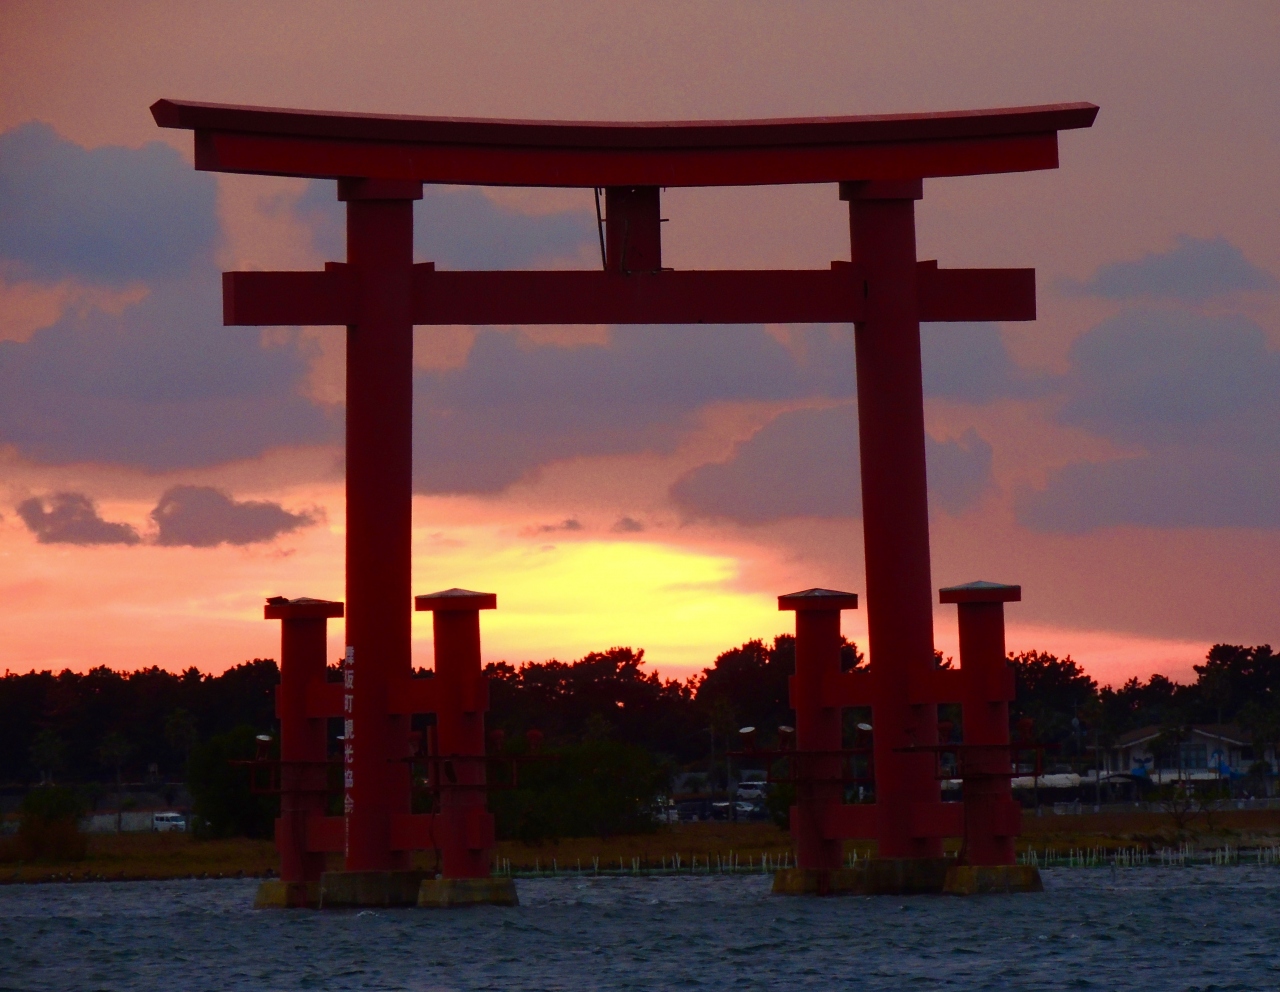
(84, 727)
(609, 695)
(1235, 685)
(605, 695)
(101, 725)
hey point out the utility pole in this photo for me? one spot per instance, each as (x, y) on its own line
(1097, 771)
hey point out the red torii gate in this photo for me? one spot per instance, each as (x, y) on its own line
(879, 162)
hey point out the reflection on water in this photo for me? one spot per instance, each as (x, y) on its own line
(1150, 929)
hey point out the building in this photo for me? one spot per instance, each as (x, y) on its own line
(1206, 753)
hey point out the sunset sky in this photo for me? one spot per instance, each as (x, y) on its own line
(655, 487)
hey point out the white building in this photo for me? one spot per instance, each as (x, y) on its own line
(1208, 753)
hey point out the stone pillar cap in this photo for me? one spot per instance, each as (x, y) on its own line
(456, 601)
(818, 599)
(980, 592)
(302, 608)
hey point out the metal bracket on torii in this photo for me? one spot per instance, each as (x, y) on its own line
(378, 293)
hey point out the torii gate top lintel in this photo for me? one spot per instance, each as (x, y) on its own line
(477, 151)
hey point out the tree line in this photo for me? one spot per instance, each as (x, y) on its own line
(1234, 685)
(144, 725)
(607, 717)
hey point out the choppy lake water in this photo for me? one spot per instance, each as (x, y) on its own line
(1149, 929)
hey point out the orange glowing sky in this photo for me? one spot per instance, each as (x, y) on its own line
(1087, 480)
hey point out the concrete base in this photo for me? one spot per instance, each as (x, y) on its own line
(275, 894)
(873, 877)
(342, 889)
(445, 893)
(972, 880)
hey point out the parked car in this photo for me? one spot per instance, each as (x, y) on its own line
(164, 822)
(692, 811)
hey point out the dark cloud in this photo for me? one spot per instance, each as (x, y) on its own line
(163, 384)
(1195, 270)
(71, 518)
(969, 362)
(108, 215)
(627, 525)
(804, 463)
(515, 406)
(160, 386)
(203, 517)
(1156, 377)
(564, 526)
(461, 228)
(1200, 396)
(1170, 487)
(959, 471)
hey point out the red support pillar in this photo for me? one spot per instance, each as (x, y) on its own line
(895, 507)
(992, 819)
(379, 500)
(463, 826)
(303, 749)
(633, 229)
(818, 762)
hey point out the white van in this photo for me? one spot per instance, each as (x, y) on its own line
(753, 785)
(164, 822)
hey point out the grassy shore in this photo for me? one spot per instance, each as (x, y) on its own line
(153, 856)
(1239, 828)
(174, 855)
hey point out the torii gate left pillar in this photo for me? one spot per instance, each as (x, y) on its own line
(379, 510)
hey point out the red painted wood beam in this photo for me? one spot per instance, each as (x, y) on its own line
(841, 820)
(303, 748)
(270, 299)
(413, 695)
(413, 831)
(844, 689)
(270, 141)
(326, 833)
(817, 761)
(936, 685)
(925, 820)
(571, 297)
(379, 512)
(324, 699)
(992, 817)
(267, 155)
(935, 820)
(975, 294)
(624, 135)
(708, 297)
(463, 828)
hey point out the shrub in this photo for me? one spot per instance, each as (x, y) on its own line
(598, 788)
(223, 804)
(782, 796)
(49, 829)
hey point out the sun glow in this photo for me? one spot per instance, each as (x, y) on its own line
(567, 598)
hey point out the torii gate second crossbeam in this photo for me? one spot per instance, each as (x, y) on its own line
(378, 293)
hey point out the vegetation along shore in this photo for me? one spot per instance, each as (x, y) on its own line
(596, 760)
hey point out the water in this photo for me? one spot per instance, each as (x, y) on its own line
(1150, 929)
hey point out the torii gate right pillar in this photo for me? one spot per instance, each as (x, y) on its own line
(895, 509)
